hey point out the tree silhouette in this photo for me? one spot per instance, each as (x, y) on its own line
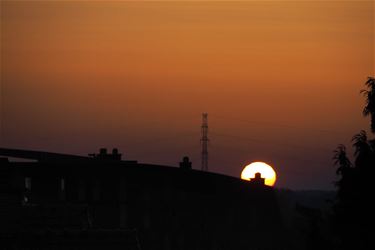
(369, 93)
(341, 160)
(346, 171)
(353, 211)
(363, 151)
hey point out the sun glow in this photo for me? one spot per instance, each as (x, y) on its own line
(264, 169)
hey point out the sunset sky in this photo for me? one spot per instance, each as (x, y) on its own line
(280, 80)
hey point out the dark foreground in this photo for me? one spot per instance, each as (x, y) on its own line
(55, 201)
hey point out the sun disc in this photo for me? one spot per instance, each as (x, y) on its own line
(264, 169)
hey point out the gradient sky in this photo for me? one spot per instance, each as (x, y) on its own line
(280, 80)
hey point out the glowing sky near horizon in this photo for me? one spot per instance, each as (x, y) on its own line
(280, 80)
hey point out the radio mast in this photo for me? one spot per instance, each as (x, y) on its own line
(204, 142)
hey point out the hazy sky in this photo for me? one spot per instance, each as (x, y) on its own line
(280, 80)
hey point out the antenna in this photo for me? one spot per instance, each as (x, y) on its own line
(204, 142)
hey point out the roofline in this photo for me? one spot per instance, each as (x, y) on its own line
(41, 155)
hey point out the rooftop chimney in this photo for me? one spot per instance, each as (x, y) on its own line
(185, 164)
(103, 155)
(258, 180)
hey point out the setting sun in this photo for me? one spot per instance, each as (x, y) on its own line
(264, 169)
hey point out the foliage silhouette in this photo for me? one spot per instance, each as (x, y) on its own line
(341, 160)
(369, 93)
(354, 211)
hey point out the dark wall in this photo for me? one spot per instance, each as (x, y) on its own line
(169, 208)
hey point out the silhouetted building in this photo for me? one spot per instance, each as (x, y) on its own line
(102, 202)
(185, 164)
(257, 180)
(103, 155)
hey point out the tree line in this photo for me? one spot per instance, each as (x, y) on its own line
(354, 208)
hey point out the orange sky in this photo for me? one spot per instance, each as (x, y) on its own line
(279, 79)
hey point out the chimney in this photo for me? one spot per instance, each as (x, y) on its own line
(103, 151)
(186, 163)
(258, 180)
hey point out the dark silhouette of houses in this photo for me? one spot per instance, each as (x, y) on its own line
(102, 201)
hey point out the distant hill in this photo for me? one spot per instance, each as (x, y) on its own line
(306, 215)
(318, 199)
